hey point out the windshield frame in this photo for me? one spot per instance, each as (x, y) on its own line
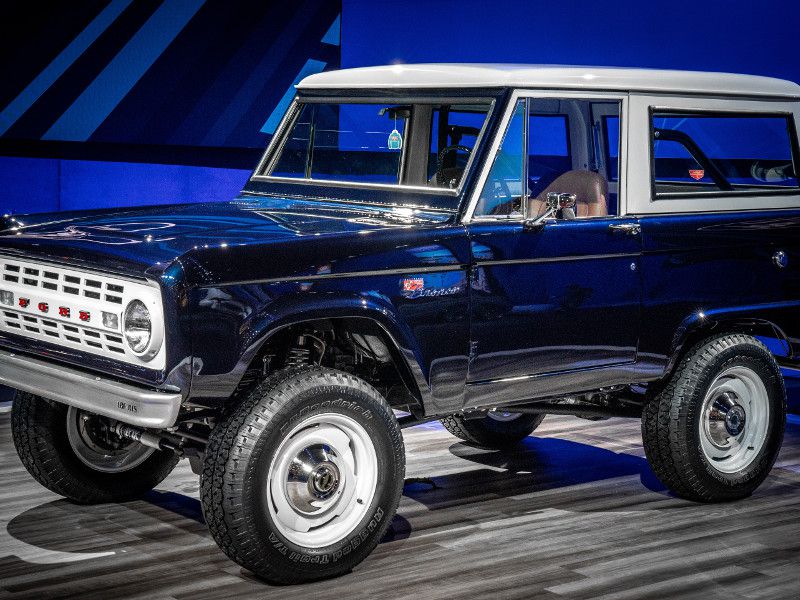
(304, 186)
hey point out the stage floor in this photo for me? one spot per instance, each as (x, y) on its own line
(573, 513)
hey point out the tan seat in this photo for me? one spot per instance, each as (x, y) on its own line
(590, 188)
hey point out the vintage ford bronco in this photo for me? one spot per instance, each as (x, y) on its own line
(478, 244)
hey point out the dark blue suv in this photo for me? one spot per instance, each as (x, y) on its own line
(482, 245)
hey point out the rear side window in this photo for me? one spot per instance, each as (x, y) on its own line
(696, 153)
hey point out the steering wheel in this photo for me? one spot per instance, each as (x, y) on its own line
(443, 153)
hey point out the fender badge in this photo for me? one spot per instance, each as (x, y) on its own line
(413, 285)
(697, 174)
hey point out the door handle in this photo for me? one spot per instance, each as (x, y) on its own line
(626, 228)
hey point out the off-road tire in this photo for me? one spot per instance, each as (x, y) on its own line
(488, 433)
(239, 455)
(671, 426)
(39, 429)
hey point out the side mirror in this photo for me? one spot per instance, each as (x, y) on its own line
(560, 205)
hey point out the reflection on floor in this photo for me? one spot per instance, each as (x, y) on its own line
(572, 513)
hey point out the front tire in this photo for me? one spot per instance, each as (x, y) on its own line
(58, 446)
(497, 430)
(302, 479)
(715, 430)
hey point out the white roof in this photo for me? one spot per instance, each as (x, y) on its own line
(550, 76)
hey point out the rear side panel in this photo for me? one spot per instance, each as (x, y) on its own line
(714, 268)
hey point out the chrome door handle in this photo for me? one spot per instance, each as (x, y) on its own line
(626, 228)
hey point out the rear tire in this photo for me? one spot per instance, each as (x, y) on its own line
(496, 431)
(715, 430)
(53, 452)
(302, 479)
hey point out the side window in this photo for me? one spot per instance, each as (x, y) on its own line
(573, 148)
(696, 153)
(503, 192)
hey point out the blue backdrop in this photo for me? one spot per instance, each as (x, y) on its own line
(110, 103)
(125, 102)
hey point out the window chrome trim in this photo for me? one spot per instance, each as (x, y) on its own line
(533, 94)
(270, 156)
(753, 190)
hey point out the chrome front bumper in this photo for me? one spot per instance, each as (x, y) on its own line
(120, 401)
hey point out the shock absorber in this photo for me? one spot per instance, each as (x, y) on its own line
(146, 438)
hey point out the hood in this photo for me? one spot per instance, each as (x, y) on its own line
(146, 241)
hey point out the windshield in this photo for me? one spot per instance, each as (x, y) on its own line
(419, 144)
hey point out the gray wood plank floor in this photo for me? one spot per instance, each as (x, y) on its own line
(573, 513)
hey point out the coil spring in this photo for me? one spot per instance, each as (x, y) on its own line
(298, 357)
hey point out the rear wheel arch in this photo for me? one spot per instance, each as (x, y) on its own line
(698, 328)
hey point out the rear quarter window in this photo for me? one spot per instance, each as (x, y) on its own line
(714, 153)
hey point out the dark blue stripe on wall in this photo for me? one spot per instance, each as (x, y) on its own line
(176, 83)
(116, 80)
(31, 40)
(163, 74)
(52, 104)
(60, 64)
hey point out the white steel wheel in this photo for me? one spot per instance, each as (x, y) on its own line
(734, 419)
(322, 480)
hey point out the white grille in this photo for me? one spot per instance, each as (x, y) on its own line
(66, 307)
(48, 278)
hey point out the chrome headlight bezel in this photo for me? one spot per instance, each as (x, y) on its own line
(131, 321)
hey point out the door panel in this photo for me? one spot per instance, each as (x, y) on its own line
(563, 298)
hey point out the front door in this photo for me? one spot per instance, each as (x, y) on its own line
(561, 296)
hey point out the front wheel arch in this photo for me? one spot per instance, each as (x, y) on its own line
(404, 358)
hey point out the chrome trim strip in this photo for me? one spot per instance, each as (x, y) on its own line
(120, 401)
(368, 203)
(554, 259)
(436, 191)
(377, 273)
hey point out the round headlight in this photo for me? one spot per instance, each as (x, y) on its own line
(137, 326)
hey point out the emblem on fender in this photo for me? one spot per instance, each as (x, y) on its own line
(413, 285)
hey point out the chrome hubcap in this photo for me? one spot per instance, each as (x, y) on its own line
(313, 478)
(734, 419)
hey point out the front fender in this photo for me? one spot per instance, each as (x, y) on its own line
(232, 323)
